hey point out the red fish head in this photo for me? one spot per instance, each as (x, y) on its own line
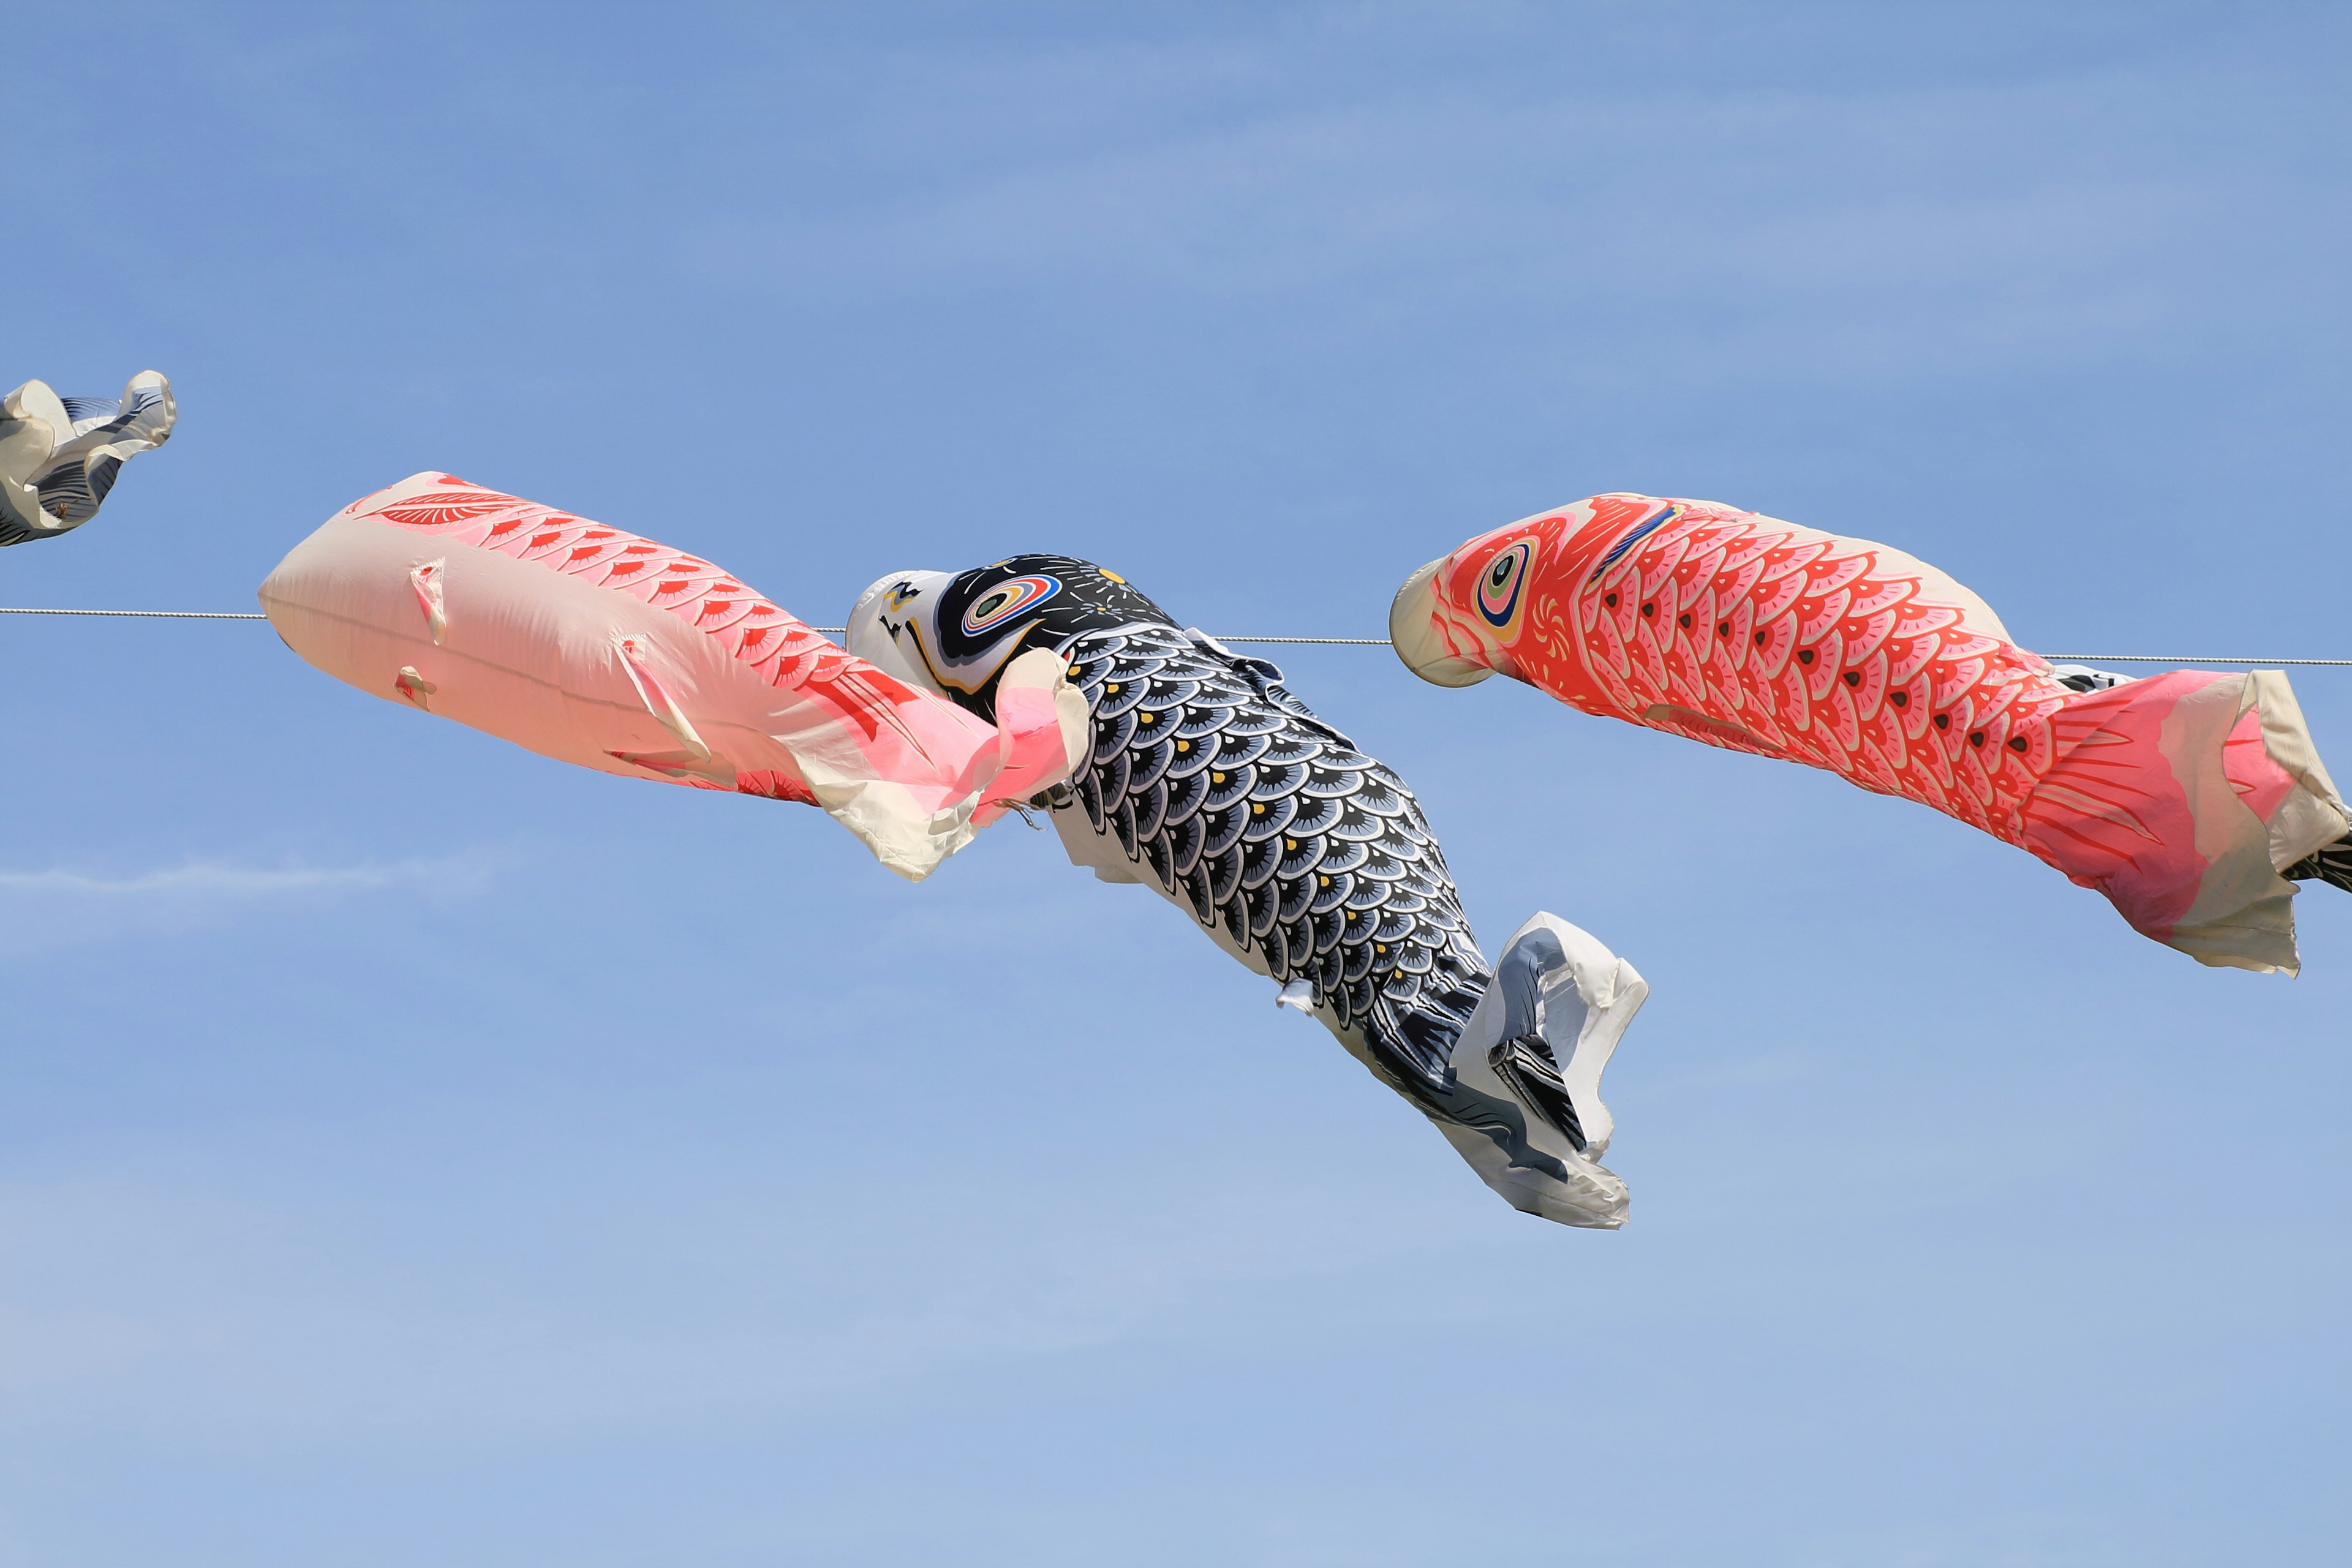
(1455, 621)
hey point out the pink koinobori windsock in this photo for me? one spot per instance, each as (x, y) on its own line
(2182, 797)
(594, 646)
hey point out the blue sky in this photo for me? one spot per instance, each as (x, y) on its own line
(412, 1149)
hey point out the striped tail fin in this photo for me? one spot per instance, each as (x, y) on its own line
(1559, 1003)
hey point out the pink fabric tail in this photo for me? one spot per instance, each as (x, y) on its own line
(2181, 797)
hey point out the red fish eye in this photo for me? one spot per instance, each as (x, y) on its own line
(1499, 590)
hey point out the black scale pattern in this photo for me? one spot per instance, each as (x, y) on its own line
(1280, 837)
(1266, 821)
(2330, 863)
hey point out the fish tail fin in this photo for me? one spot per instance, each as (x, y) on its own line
(1538, 1044)
(1565, 986)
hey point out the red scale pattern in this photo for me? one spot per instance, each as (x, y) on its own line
(1727, 627)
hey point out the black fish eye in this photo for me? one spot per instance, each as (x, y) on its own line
(1501, 572)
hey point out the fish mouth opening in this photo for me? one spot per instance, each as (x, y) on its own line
(1415, 633)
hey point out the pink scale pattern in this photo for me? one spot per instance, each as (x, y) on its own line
(777, 645)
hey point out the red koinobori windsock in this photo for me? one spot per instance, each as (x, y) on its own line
(2191, 799)
(596, 647)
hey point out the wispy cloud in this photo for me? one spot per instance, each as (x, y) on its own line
(1829, 231)
(143, 1302)
(64, 904)
(200, 879)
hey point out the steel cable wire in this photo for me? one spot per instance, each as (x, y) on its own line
(1320, 642)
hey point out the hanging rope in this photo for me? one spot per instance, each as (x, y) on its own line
(147, 615)
(1318, 642)
(2181, 658)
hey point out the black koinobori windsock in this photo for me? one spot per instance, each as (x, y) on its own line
(61, 455)
(1301, 856)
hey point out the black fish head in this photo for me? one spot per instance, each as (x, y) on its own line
(886, 625)
(955, 633)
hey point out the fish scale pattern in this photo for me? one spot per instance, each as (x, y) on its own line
(776, 645)
(704, 596)
(1733, 629)
(2173, 795)
(1272, 827)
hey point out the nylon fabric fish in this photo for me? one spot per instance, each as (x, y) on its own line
(1308, 861)
(598, 648)
(60, 456)
(2192, 800)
